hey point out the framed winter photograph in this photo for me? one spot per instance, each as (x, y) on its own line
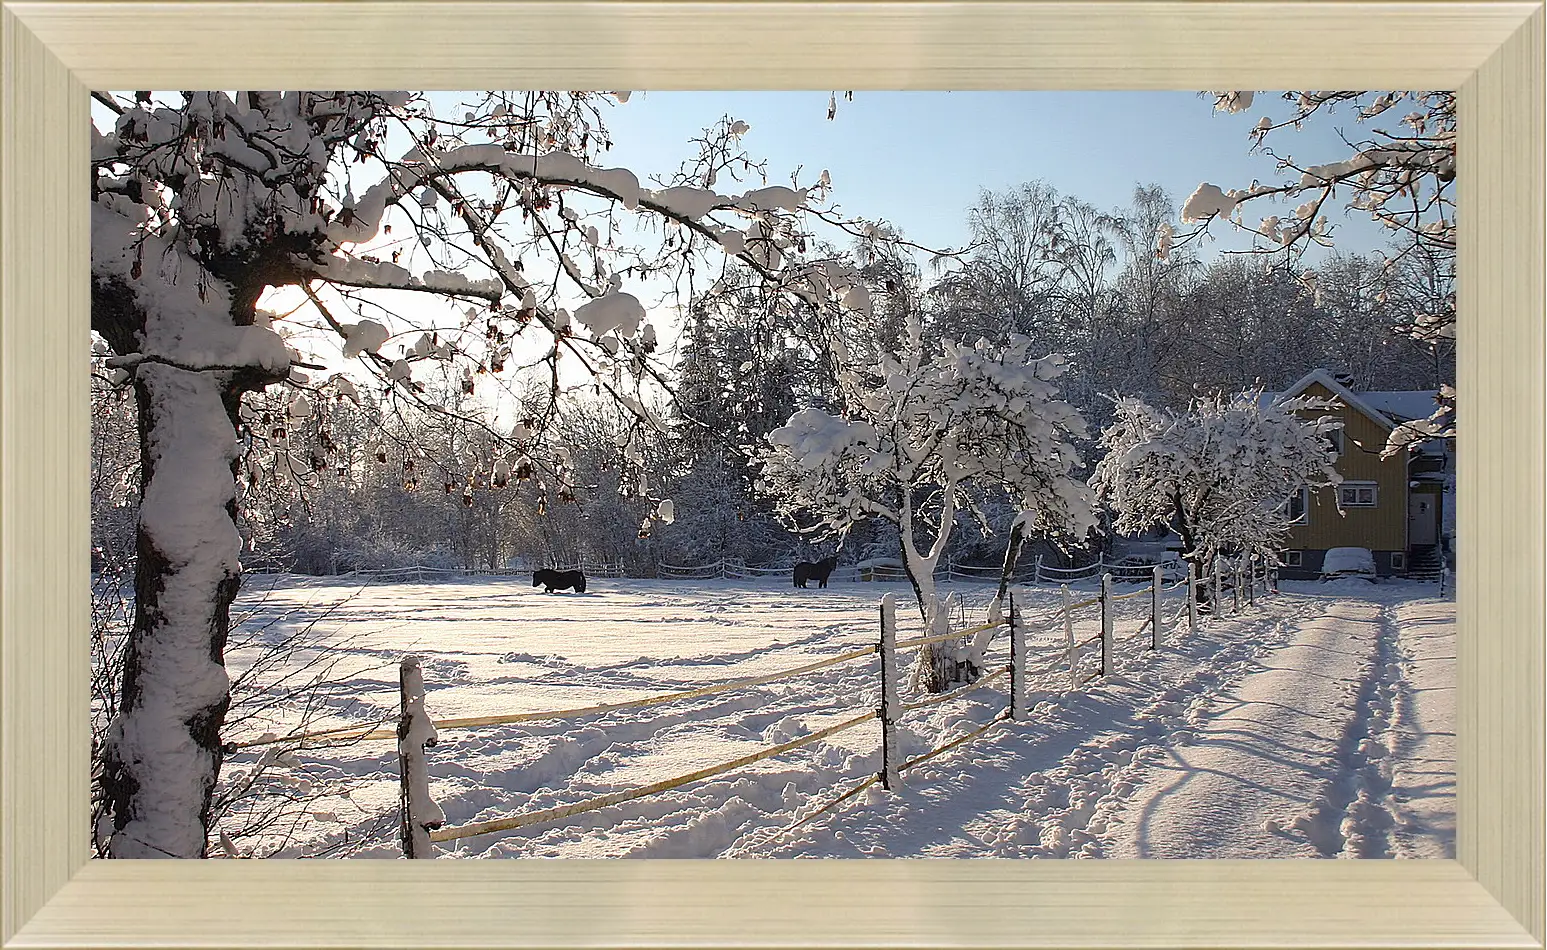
(598, 463)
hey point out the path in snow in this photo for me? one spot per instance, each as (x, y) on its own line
(1260, 778)
(1321, 728)
(1319, 722)
(1422, 737)
(1047, 787)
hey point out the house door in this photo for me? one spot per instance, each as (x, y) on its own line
(1422, 519)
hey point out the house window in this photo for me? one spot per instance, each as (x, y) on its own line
(1298, 507)
(1356, 495)
(1335, 437)
(1293, 559)
(1398, 561)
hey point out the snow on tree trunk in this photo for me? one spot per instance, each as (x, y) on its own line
(164, 751)
(934, 669)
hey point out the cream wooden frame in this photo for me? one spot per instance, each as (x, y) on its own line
(54, 52)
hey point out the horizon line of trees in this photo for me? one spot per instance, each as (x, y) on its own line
(346, 481)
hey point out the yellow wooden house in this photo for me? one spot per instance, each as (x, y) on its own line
(1392, 506)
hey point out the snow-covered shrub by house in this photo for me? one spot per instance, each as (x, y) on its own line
(1219, 474)
(919, 431)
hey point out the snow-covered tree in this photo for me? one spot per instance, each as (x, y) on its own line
(238, 235)
(1220, 474)
(916, 434)
(1400, 169)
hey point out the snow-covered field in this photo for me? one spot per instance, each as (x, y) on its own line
(1319, 722)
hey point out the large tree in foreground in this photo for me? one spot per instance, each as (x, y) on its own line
(210, 207)
(1220, 474)
(917, 435)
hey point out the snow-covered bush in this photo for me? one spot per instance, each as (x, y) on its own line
(1220, 474)
(918, 432)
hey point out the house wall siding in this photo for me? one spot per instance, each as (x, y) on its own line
(1382, 528)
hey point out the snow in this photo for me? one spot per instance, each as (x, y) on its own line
(1255, 782)
(1317, 722)
(1205, 201)
(367, 336)
(615, 311)
(1348, 562)
(1404, 406)
(1421, 737)
(772, 198)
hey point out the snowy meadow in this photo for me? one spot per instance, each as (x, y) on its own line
(337, 333)
(1317, 722)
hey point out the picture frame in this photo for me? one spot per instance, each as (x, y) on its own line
(1492, 895)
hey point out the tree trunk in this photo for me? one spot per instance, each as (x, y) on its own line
(164, 751)
(935, 669)
(1191, 555)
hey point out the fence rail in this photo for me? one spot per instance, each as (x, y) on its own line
(423, 825)
(736, 568)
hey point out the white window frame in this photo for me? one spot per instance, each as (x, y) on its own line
(1304, 495)
(1335, 436)
(1398, 561)
(1294, 559)
(1356, 487)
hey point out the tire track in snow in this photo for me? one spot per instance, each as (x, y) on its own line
(1270, 773)
(1043, 788)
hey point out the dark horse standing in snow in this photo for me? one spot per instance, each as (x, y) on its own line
(559, 580)
(817, 571)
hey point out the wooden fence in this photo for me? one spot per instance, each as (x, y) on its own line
(422, 823)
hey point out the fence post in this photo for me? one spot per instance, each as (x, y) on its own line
(1214, 603)
(1074, 676)
(1251, 580)
(1036, 573)
(1017, 664)
(1155, 608)
(1192, 597)
(1106, 623)
(419, 815)
(1235, 590)
(891, 704)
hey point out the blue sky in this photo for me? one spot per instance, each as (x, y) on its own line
(918, 159)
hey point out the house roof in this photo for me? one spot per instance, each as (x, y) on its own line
(1404, 406)
(1388, 408)
(1347, 396)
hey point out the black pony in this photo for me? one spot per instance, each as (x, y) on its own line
(559, 580)
(817, 571)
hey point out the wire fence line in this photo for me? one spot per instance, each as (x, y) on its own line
(890, 710)
(731, 568)
(416, 731)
